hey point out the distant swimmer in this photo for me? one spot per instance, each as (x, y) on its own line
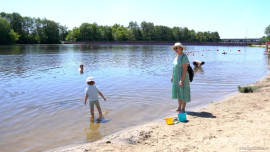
(223, 52)
(81, 69)
(198, 63)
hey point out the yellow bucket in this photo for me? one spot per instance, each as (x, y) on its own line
(169, 121)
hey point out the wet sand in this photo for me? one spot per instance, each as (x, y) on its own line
(238, 123)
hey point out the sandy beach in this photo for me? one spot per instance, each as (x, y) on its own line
(238, 123)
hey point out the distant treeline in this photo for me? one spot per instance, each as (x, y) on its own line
(26, 30)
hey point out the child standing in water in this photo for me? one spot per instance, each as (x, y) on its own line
(92, 92)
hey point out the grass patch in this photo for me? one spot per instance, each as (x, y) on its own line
(247, 89)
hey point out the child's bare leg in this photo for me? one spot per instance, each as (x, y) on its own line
(99, 111)
(183, 107)
(92, 112)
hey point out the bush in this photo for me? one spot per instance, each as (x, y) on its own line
(247, 89)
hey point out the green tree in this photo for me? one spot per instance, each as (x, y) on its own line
(77, 34)
(69, 36)
(29, 32)
(90, 32)
(134, 32)
(185, 34)
(3, 15)
(16, 23)
(119, 32)
(148, 31)
(96, 33)
(13, 36)
(267, 31)
(215, 37)
(164, 33)
(192, 36)
(47, 31)
(4, 31)
(73, 35)
(264, 39)
(207, 36)
(106, 33)
(7, 35)
(39, 31)
(63, 31)
(200, 37)
(51, 30)
(176, 34)
(85, 31)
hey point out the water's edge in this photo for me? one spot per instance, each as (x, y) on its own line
(231, 95)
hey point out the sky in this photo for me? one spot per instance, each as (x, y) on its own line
(230, 18)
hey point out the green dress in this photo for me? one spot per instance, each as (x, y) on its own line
(178, 92)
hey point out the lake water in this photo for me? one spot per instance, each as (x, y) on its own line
(42, 91)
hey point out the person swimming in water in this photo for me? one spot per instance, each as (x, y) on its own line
(198, 63)
(81, 69)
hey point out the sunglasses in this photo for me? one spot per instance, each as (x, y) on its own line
(176, 48)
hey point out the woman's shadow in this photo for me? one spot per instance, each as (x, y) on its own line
(201, 114)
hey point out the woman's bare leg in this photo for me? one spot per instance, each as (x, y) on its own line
(179, 105)
(183, 107)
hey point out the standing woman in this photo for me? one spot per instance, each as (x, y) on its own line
(180, 78)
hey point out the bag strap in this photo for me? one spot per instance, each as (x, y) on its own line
(182, 59)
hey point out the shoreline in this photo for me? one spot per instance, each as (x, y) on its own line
(149, 43)
(156, 43)
(238, 122)
(263, 45)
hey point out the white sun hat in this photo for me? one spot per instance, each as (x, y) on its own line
(177, 44)
(89, 79)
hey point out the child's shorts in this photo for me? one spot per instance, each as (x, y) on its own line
(92, 103)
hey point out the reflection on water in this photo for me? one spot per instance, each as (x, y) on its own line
(92, 133)
(198, 70)
(42, 91)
